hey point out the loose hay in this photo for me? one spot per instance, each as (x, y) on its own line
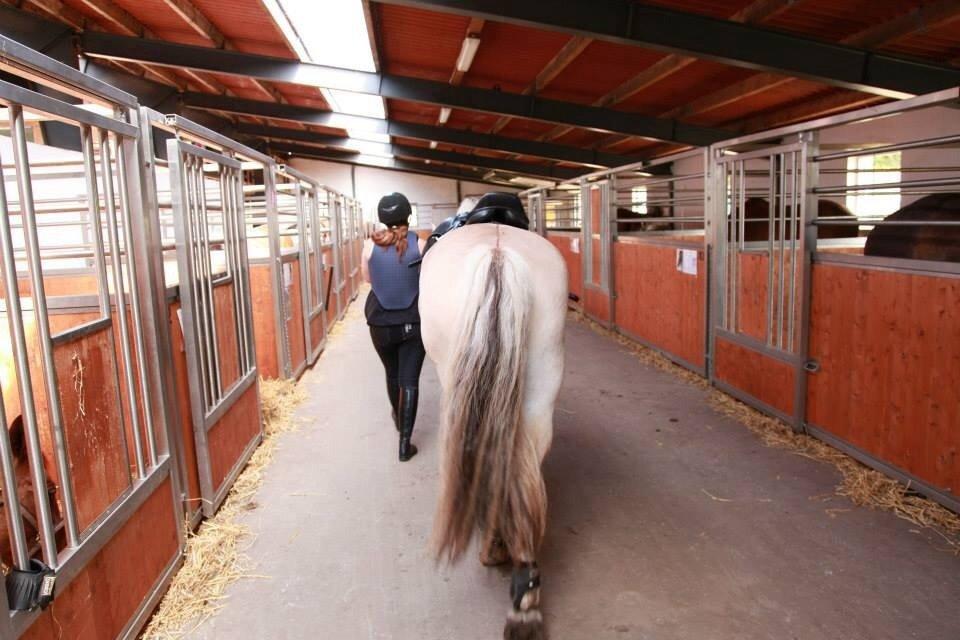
(214, 556)
(862, 485)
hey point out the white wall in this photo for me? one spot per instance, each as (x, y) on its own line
(430, 194)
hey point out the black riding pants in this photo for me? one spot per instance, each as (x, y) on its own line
(401, 350)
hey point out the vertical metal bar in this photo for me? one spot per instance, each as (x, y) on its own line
(15, 523)
(241, 290)
(741, 242)
(197, 298)
(204, 309)
(119, 294)
(207, 262)
(782, 215)
(244, 283)
(229, 250)
(794, 232)
(93, 206)
(771, 226)
(272, 197)
(136, 309)
(32, 242)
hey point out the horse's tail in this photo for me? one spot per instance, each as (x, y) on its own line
(491, 477)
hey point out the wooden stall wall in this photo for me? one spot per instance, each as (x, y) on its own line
(120, 577)
(888, 348)
(767, 379)
(264, 321)
(658, 303)
(568, 244)
(317, 328)
(293, 308)
(184, 408)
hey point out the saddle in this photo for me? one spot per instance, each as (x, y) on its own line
(498, 208)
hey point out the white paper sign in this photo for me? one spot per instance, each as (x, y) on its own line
(287, 274)
(687, 261)
(575, 245)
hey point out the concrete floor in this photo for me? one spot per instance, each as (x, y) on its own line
(667, 521)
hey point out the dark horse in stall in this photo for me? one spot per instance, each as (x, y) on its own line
(640, 225)
(757, 226)
(920, 242)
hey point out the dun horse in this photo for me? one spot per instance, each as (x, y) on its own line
(493, 305)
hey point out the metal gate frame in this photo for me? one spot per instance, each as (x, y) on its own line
(787, 312)
(605, 236)
(209, 400)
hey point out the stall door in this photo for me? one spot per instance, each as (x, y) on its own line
(597, 244)
(217, 320)
(312, 272)
(760, 269)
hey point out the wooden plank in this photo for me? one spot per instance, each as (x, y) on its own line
(887, 343)
(330, 283)
(227, 338)
(229, 437)
(264, 322)
(659, 304)
(184, 408)
(769, 380)
(295, 323)
(106, 594)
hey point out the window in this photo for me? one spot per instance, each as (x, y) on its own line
(638, 198)
(414, 216)
(882, 168)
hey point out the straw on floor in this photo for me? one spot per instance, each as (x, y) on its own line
(214, 555)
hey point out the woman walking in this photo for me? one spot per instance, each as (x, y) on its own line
(391, 311)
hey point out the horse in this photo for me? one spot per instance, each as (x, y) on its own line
(493, 303)
(27, 497)
(920, 242)
(757, 224)
(652, 212)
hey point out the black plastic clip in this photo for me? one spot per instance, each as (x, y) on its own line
(32, 588)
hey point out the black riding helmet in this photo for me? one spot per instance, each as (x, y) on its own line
(393, 209)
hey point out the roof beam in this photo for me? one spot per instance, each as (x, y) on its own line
(756, 11)
(810, 110)
(548, 151)
(625, 22)
(396, 87)
(567, 54)
(435, 155)
(473, 29)
(394, 164)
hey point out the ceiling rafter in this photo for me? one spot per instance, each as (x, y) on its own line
(629, 23)
(396, 87)
(757, 11)
(567, 54)
(923, 17)
(810, 109)
(474, 28)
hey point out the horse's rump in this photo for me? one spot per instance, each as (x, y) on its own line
(491, 474)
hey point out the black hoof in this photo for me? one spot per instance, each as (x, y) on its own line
(408, 452)
(524, 625)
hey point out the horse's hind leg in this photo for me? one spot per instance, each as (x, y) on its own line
(493, 551)
(524, 620)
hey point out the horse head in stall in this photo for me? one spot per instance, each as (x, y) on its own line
(492, 305)
(757, 226)
(640, 225)
(26, 495)
(920, 242)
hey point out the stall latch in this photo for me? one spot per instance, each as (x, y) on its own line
(812, 366)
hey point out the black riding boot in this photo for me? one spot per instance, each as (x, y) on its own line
(407, 414)
(393, 392)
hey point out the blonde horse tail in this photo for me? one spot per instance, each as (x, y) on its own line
(491, 478)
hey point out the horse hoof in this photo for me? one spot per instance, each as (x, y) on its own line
(524, 625)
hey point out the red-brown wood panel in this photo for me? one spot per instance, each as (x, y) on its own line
(100, 601)
(184, 407)
(656, 302)
(597, 305)
(226, 326)
(752, 295)
(295, 336)
(568, 244)
(229, 437)
(766, 379)
(888, 345)
(264, 322)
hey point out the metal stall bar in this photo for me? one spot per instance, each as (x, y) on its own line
(35, 266)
